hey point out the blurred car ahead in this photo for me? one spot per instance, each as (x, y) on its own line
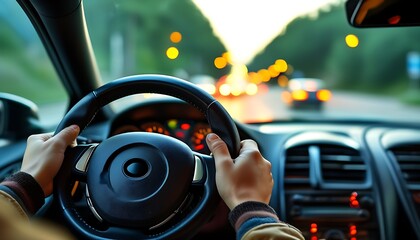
(306, 93)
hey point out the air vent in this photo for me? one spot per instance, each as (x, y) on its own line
(314, 164)
(297, 167)
(408, 158)
(341, 164)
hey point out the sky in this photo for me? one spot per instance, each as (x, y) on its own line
(256, 23)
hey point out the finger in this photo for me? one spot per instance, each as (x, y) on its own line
(220, 151)
(68, 135)
(248, 144)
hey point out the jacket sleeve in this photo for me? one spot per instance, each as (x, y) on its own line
(9, 201)
(256, 220)
(15, 224)
(25, 191)
(271, 231)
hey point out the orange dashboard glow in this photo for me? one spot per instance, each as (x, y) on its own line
(354, 203)
(314, 228)
(353, 230)
(199, 147)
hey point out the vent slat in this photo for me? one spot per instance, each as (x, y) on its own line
(342, 164)
(297, 167)
(339, 164)
(344, 167)
(408, 167)
(342, 158)
(408, 159)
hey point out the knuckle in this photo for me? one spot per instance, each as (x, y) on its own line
(31, 138)
(255, 154)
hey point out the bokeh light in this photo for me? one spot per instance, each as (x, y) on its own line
(281, 64)
(251, 89)
(172, 53)
(300, 95)
(264, 75)
(282, 80)
(220, 62)
(227, 56)
(175, 37)
(274, 70)
(225, 89)
(324, 95)
(352, 40)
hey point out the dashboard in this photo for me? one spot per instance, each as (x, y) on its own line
(333, 180)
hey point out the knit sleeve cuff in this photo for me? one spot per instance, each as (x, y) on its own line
(27, 189)
(251, 209)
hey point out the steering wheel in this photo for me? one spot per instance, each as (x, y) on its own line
(140, 185)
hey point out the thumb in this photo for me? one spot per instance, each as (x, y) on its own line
(220, 152)
(68, 134)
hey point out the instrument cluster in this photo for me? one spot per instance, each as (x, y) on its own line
(191, 132)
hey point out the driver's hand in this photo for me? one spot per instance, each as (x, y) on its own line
(246, 178)
(44, 155)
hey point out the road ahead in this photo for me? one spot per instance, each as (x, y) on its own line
(269, 106)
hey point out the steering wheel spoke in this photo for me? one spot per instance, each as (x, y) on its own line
(77, 158)
(200, 169)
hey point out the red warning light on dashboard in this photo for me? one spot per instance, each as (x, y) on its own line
(185, 126)
(354, 203)
(352, 230)
(314, 228)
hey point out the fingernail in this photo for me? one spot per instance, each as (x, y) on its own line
(74, 127)
(211, 137)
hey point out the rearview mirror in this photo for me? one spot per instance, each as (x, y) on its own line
(382, 13)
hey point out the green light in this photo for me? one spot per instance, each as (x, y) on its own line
(172, 123)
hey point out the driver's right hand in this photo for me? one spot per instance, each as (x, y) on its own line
(245, 178)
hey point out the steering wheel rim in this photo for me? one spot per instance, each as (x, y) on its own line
(145, 149)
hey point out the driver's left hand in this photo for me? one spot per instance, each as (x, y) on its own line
(44, 155)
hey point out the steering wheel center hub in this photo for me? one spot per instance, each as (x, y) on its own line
(133, 175)
(137, 168)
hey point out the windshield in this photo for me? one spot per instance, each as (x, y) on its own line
(25, 68)
(264, 60)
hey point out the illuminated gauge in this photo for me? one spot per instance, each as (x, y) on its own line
(125, 128)
(154, 127)
(198, 138)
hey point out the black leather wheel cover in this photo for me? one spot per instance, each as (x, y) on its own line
(85, 110)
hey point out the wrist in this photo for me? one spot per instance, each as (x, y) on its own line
(250, 209)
